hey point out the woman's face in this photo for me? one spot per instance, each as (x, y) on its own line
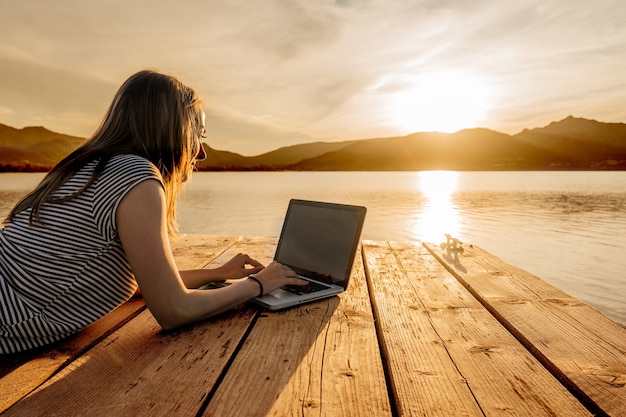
(201, 155)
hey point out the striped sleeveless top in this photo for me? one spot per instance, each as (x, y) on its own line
(59, 276)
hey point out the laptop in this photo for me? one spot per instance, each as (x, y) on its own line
(318, 241)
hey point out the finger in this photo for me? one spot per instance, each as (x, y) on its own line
(298, 281)
(254, 262)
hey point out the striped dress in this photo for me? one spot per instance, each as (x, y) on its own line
(59, 276)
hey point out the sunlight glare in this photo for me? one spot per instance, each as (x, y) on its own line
(443, 102)
(439, 215)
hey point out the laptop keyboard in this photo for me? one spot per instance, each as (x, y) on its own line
(305, 289)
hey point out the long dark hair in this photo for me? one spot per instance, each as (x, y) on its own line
(153, 115)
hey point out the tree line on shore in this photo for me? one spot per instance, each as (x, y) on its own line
(24, 168)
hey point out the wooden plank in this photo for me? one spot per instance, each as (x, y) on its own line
(22, 373)
(319, 359)
(196, 250)
(447, 355)
(583, 348)
(422, 379)
(141, 371)
(35, 370)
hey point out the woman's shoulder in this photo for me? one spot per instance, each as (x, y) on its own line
(131, 163)
(122, 171)
(129, 159)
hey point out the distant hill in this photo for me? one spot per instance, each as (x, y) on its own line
(578, 143)
(569, 144)
(34, 147)
(474, 149)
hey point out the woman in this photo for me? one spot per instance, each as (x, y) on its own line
(99, 224)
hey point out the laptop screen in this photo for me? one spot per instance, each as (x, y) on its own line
(319, 240)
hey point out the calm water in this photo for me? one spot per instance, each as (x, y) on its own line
(566, 227)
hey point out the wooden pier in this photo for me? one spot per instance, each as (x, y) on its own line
(423, 330)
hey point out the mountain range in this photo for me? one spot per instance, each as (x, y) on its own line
(570, 144)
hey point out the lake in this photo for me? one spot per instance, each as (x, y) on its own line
(565, 227)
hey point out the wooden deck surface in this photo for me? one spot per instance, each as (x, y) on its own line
(420, 332)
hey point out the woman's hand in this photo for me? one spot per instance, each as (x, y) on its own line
(276, 275)
(237, 267)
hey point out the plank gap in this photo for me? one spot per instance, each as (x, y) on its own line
(226, 368)
(379, 335)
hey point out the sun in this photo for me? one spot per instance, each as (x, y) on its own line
(441, 102)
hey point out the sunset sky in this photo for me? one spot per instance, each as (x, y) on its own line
(277, 73)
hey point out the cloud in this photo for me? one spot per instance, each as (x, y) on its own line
(295, 70)
(248, 136)
(44, 94)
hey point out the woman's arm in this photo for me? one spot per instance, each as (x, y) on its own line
(141, 224)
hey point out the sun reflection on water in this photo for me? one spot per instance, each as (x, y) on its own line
(439, 215)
